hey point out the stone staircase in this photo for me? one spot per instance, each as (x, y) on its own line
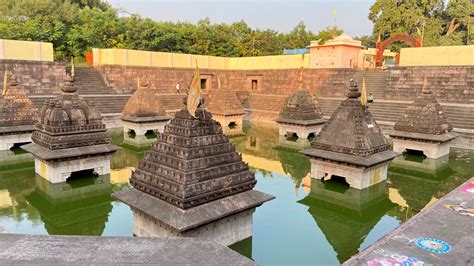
(460, 116)
(265, 102)
(89, 81)
(375, 81)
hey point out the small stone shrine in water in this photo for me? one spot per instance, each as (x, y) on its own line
(351, 145)
(142, 115)
(70, 137)
(226, 109)
(193, 183)
(300, 116)
(17, 115)
(423, 127)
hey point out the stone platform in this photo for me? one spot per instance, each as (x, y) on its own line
(74, 250)
(439, 235)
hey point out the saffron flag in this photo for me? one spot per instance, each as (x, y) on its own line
(194, 96)
(363, 94)
(4, 84)
(218, 83)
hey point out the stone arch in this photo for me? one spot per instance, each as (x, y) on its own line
(380, 46)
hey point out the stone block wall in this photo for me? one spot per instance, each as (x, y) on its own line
(324, 82)
(37, 77)
(452, 84)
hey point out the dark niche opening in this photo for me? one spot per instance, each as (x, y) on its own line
(82, 178)
(151, 134)
(254, 84)
(290, 136)
(131, 133)
(414, 155)
(232, 125)
(203, 84)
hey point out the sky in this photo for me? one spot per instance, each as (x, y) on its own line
(351, 15)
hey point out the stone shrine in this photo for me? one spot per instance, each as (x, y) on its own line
(142, 114)
(300, 116)
(351, 145)
(226, 109)
(193, 183)
(17, 115)
(423, 127)
(70, 137)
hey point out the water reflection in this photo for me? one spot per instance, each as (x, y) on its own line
(309, 222)
(346, 215)
(349, 219)
(80, 206)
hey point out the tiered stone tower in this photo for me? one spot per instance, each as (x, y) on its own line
(351, 145)
(193, 183)
(423, 127)
(70, 137)
(17, 115)
(142, 113)
(300, 116)
(227, 110)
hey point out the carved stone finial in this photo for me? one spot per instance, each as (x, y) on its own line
(68, 85)
(353, 90)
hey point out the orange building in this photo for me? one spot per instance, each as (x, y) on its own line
(339, 52)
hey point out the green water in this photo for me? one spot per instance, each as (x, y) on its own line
(309, 222)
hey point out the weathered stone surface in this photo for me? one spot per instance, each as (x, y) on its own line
(425, 115)
(69, 121)
(192, 163)
(454, 84)
(54, 250)
(444, 220)
(224, 102)
(299, 107)
(193, 217)
(69, 136)
(36, 77)
(16, 109)
(351, 129)
(143, 104)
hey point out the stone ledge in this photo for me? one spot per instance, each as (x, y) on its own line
(87, 250)
(183, 220)
(312, 122)
(146, 119)
(423, 137)
(368, 161)
(14, 129)
(47, 154)
(439, 221)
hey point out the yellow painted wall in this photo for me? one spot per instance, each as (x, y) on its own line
(26, 50)
(438, 56)
(159, 59)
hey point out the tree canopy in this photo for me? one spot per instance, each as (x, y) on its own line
(76, 26)
(436, 22)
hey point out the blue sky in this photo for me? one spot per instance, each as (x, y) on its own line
(351, 15)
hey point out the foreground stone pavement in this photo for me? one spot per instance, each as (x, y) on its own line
(54, 250)
(442, 234)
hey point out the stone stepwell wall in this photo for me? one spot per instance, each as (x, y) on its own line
(324, 82)
(37, 77)
(450, 84)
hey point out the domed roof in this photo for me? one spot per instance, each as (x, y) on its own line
(300, 107)
(69, 121)
(143, 103)
(68, 109)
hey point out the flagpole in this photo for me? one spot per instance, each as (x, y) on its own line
(4, 92)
